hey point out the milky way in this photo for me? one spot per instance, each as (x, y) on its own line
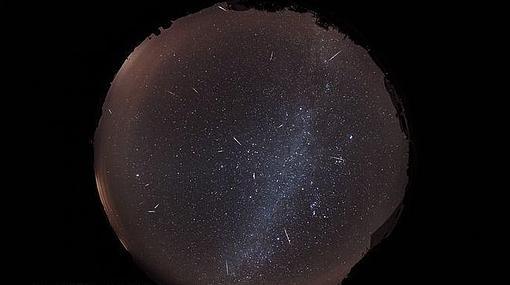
(249, 147)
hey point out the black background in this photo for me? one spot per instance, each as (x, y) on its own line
(66, 55)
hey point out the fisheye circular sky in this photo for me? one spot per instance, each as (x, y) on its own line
(249, 147)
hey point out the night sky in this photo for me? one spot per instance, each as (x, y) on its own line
(249, 147)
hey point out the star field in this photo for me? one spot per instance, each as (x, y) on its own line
(249, 148)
